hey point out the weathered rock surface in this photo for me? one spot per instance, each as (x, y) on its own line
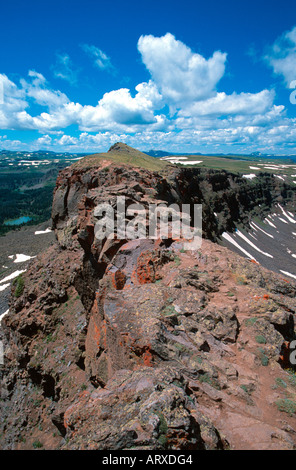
(118, 344)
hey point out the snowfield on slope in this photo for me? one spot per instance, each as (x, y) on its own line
(276, 233)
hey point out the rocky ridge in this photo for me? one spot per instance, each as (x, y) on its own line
(186, 350)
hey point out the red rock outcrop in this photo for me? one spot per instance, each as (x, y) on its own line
(120, 344)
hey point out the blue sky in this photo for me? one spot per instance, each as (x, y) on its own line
(186, 75)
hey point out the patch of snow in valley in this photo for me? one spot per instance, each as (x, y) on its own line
(292, 220)
(5, 286)
(269, 223)
(259, 228)
(181, 160)
(191, 162)
(12, 276)
(3, 314)
(282, 220)
(280, 177)
(251, 176)
(240, 234)
(39, 232)
(276, 238)
(253, 236)
(22, 258)
(231, 240)
(288, 274)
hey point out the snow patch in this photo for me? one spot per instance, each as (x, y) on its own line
(283, 220)
(240, 234)
(292, 220)
(280, 177)
(4, 287)
(192, 162)
(3, 314)
(12, 276)
(250, 176)
(269, 223)
(230, 240)
(22, 258)
(288, 274)
(259, 228)
(39, 232)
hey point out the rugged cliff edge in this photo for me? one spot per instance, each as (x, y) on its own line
(120, 344)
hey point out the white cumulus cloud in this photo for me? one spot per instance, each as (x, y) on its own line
(180, 74)
(282, 56)
(119, 109)
(38, 89)
(181, 81)
(234, 104)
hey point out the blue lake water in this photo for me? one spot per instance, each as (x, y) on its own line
(19, 221)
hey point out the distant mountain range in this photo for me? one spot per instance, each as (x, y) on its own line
(39, 154)
(163, 153)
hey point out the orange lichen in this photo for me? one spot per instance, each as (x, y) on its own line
(97, 335)
(284, 358)
(148, 357)
(118, 280)
(145, 272)
(258, 297)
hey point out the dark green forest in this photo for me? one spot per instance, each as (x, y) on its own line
(34, 203)
(26, 191)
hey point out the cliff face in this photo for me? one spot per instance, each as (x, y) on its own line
(186, 350)
(232, 197)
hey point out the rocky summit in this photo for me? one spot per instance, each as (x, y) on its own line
(140, 344)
